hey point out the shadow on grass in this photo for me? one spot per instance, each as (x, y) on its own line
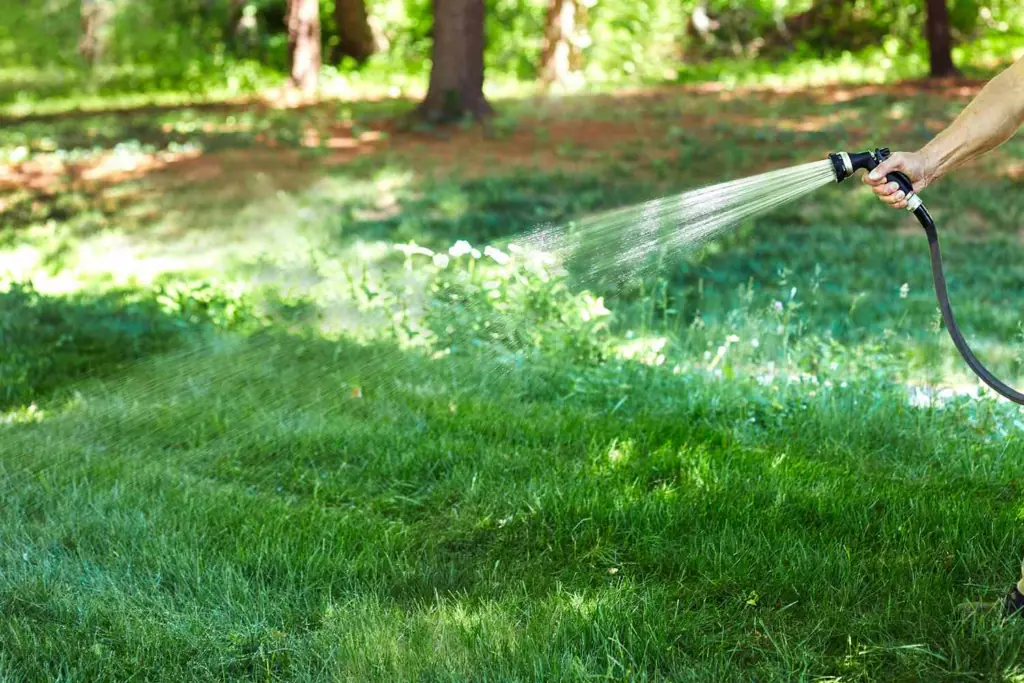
(312, 478)
(412, 506)
(48, 343)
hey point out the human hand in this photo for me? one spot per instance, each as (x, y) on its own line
(914, 164)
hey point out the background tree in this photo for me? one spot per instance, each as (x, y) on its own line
(940, 54)
(234, 15)
(560, 54)
(245, 35)
(93, 14)
(304, 44)
(457, 74)
(240, 25)
(355, 37)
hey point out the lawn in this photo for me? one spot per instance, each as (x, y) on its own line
(262, 417)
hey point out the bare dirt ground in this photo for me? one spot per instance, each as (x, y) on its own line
(570, 134)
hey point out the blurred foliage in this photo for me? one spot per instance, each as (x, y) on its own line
(200, 45)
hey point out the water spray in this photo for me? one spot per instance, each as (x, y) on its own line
(845, 165)
(627, 242)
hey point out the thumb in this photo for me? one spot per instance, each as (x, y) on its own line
(893, 163)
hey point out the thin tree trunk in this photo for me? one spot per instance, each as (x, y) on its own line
(304, 44)
(457, 75)
(93, 14)
(560, 53)
(234, 18)
(242, 29)
(234, 13)
(940, 53)
(698, 33)
(353, 26)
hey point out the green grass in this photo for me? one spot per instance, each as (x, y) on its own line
(240, 514)
(244, 438)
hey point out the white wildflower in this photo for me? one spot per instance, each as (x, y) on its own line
(441, 260)
(413, 248)
(593, 308)
(460, 248)
(498, 255)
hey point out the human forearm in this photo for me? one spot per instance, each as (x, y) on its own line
(989, 120)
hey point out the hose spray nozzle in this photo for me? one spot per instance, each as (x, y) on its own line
(845, 165)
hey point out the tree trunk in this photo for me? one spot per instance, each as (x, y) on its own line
(940, 54)
(241, 30)
(234, 18)
(304, 43)
(560, 54)
(234, 15)
(698, 29)
(457, 75)
(90, 44)
(354, 34)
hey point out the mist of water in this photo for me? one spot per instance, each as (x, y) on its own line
(608, 248)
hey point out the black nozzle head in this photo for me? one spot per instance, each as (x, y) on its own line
(838, 166)
(845, 165)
